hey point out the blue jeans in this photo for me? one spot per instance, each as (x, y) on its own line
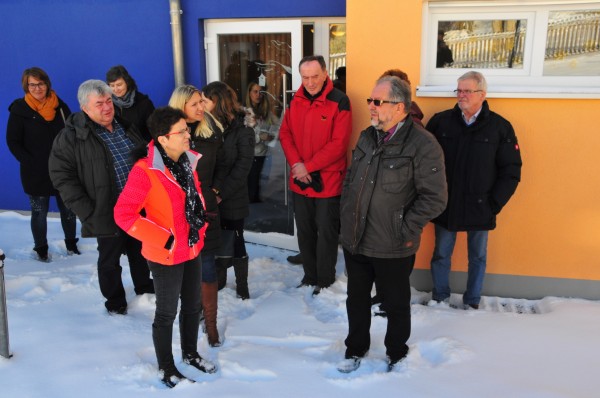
(209, 269)
(440, 264)
(39, 215)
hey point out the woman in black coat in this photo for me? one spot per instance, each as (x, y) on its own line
(129, 103)
(207, 139)
(231, 182)
(33, 123)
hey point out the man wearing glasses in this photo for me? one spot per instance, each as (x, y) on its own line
(89, 165)
(483, 168)
(396, 184)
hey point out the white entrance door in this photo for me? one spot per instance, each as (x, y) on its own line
(246, 53)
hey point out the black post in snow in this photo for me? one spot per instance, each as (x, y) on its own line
(4, 349)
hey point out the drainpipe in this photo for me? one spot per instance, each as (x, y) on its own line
(175, 10)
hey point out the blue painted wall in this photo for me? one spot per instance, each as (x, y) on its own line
(76, 40)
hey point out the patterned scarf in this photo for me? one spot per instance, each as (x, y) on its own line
(194, 211)
(125, 101)
(46, 108)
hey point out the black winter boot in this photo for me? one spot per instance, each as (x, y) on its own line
(240, 266)
(171, 376)
(221, 264)
(189, 326)
(188, 329)
(163, 337)
(72, 246)
(42, 253)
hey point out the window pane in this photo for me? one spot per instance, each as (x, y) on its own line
(257, 57)
(262, 59)
(484, 44)
(573, 44)
(337, 47)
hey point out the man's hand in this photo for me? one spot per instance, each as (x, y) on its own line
(300, 173)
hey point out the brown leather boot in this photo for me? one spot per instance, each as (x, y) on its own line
(209, 302)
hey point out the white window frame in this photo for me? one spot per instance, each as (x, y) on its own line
(525, 82)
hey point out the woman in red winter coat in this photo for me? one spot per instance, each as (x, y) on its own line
(164, 184)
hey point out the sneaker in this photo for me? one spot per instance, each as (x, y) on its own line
(194, 359)
(171, 376)
(297, 259)
(348, 365)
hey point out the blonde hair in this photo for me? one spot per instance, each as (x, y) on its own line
(181, 95)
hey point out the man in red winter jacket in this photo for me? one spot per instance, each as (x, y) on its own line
(314, 136)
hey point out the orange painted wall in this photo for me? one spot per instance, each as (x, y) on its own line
(551, 226)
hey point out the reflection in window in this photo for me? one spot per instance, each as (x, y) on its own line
(481, 44)
(260, 58)
(573, 44)
(337, 47)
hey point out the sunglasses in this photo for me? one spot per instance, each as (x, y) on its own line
(378, 102)
(184, 131)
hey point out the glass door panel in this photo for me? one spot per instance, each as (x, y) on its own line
(263, 54)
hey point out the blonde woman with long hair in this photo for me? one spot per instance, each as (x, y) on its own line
(207, 139)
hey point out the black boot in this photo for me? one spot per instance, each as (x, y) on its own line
(188, 330)
(163, 337)
(240, 266)
(42, 253)
(72, 246)
(221, 264)
(189, 325)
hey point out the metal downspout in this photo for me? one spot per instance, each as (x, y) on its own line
(175, 10)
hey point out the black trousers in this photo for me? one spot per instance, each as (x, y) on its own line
(393, 278)
(109, 269)
(318, 223)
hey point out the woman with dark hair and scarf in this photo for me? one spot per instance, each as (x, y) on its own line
(231, 181)
(130, 104)
(164, 183)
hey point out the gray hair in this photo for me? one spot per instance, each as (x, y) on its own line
(399, 90)
(478, 77)
(91, 87)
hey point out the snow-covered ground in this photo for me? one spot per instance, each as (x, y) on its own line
(282, 342)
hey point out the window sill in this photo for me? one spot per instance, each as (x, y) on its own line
(517, 92)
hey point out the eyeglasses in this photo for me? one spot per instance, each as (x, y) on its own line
(36, 85)
(466, 92)
(378, 102)
(184, 131)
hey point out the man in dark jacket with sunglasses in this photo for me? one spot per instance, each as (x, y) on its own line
(395, 186)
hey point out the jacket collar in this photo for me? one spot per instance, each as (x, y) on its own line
(485, 111)
(155, 161)
(321, 98)
(83, 125)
